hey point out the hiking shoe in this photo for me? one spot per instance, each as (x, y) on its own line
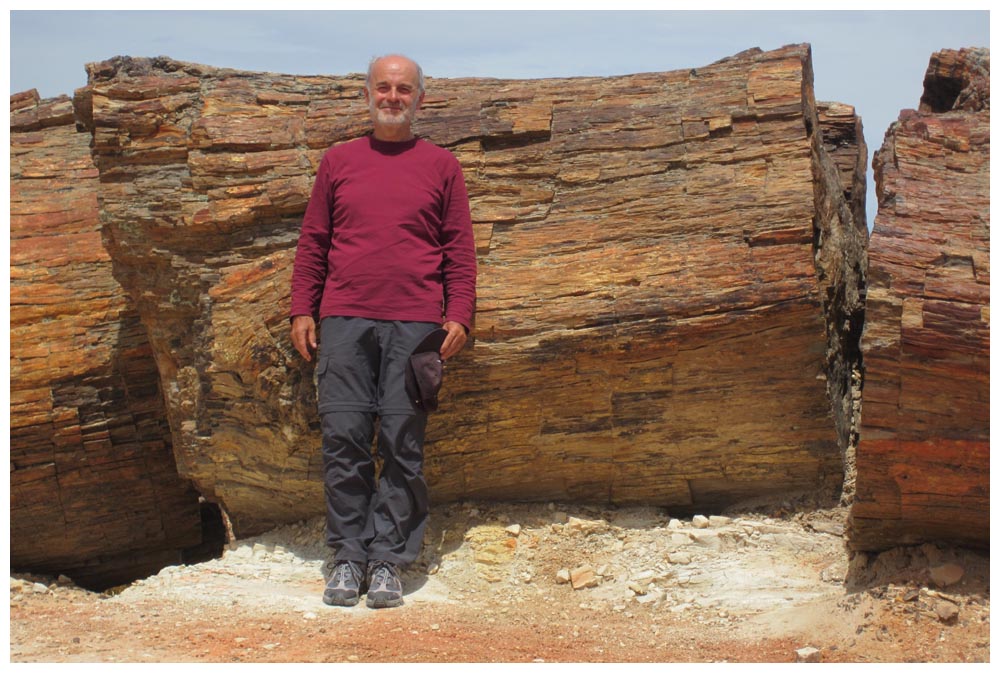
(385, 589)
(344, 587)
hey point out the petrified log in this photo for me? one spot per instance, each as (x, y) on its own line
(670, 277)
(923, 459)
(94, 488)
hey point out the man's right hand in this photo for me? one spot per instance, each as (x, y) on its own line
(304, 335)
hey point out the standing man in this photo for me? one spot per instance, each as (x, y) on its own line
(386, 256)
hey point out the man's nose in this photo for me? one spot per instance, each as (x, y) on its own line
(393, 94)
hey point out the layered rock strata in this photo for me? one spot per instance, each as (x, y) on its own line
(94, 488)
(670, 277)
(923, 460)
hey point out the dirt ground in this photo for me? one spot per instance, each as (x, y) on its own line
(540, 583)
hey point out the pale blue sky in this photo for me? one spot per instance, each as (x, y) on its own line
(872, 60)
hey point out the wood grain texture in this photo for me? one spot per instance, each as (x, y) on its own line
(923, 459)
(670, 277)
(94, 489)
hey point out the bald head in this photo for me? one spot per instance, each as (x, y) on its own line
(395, 61)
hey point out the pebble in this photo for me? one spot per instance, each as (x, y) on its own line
(584, 577)
(946, 611)
(947, 574)
(699, 521)
(675, 524)
(807, 655)
(706, 538)
(680, 558)
(718, 520)
(514, 529)
(563, 576)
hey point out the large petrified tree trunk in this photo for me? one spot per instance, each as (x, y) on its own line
(94, 488)
(670, 278)
(923, 460)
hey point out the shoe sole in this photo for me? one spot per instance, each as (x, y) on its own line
(384, 603)
(343, 603)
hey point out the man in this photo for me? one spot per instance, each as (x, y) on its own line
(386, 256)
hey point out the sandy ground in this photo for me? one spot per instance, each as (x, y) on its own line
(765, 585)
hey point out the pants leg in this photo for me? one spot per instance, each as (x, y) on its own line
(348, 483)
(401, 503)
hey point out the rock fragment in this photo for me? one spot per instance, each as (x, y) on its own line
(584, 577)
(946, 611)
(947, 574)
(808, 655)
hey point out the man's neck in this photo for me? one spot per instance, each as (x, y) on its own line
(393, 134)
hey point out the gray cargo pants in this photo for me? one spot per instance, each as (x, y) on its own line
(361, 375)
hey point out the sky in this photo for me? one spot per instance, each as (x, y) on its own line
(873, 60)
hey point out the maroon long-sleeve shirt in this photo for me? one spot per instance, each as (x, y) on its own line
(387, 235)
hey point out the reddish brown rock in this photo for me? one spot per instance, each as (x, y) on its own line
(94, 490)
(923, 460)
(669, 277)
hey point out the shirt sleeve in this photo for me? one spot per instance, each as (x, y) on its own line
(310, 267)
(458, 264)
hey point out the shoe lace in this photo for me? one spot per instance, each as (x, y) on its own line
(382, 573)
(345, 571)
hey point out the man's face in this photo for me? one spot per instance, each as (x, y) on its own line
(394, 97)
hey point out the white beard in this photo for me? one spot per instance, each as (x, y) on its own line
(389, 117)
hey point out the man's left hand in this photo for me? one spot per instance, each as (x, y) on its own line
(455, 340)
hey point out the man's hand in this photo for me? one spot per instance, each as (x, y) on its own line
(304, 335)
(454, 341)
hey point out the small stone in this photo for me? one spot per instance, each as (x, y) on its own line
(947, 574)
(308, 615)
(433, 568)
(587, 526)
(699, 521)
(807, 655)
(675, 524)
(946, 611)
(584, 577)
(39, 588)
(680, 558)
(718, 520)
(706, 538)
(514, 529)
(560, 517)
(435, 627)
(563, 576)
(648, 598)
(64, 581)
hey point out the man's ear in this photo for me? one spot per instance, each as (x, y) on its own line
(420, 101)
(365, 89)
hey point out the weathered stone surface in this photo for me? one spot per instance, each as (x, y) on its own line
(670, 277)
(94, 489)
(923, 460)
